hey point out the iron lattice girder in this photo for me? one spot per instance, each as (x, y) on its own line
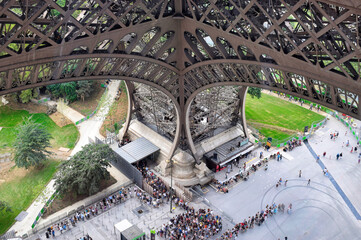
(306, 48)
(214, 108)
(155, 109)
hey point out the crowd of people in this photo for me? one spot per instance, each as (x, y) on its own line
(160, 191)
(242, 175)
(258, 219)
(192, 225)
(89, 212)
(291, 144)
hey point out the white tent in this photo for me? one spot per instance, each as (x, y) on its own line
(122, 226)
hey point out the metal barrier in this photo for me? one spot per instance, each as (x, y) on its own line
(109, 191)
(348, 124)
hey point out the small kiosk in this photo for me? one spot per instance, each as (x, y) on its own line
(128, 231)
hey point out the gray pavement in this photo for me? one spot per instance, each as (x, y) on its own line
(101, 227)
(319, 210)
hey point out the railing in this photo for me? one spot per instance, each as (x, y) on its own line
(347, 123)
(109, 191)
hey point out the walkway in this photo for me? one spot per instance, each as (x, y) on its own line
(333, 181)
(87, 129)
(69, 112)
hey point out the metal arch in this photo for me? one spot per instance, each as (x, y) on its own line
(306, 48)
(314, 90)
(190, 99)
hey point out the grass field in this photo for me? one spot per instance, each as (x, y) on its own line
(9, 119)
(277, 118)
(20, 192)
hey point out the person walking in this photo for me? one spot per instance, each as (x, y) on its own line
(300, 173)
(309, 182)
(286, 183)
(324, 154)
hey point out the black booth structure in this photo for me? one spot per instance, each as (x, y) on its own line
(237, 148)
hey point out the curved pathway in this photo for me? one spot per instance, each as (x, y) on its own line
(88, 130)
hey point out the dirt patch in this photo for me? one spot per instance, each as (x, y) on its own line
(282, 129)
(60, 119)
(56, 154)
(9, 172)
(71, 198)
(90, 103)
(117, 112)
(30, 107)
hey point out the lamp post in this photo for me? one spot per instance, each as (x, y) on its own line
(171, 184)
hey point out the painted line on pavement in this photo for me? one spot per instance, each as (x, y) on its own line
(251, 160)
(335, 184)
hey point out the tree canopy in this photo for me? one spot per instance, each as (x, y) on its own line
(84, 89)
(30, 144)
(71, 90)
(84, 171)
(254, 92)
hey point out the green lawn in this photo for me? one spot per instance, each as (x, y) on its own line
(274, 134)
(274, 111)
(21, 192)
(9, 119)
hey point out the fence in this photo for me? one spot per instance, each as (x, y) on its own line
(44, 100)
(348, 123)
(48, 202)
(106, 193)
(283, 142)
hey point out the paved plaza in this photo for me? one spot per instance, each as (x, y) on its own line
(319, 211)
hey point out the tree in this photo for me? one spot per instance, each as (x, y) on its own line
(5, 206)
(254, 92)
(83, 172)
(30, 144)
(68, 90)
(84, 89)
(26, 95)
(54, 90)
